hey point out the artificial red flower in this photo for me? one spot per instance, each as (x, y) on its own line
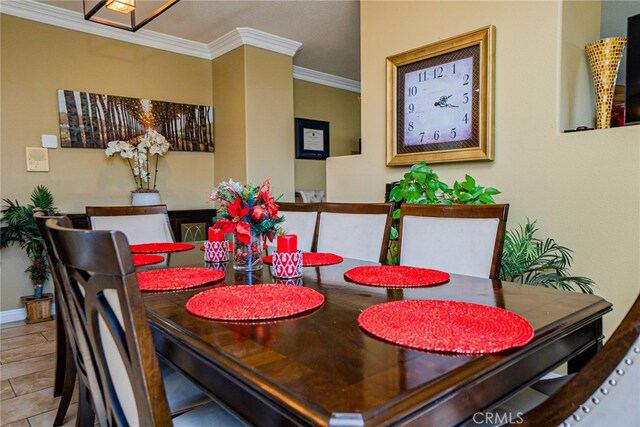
(236, 225)
(269, 201)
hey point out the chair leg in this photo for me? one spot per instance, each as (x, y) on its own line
(61, 355)
(85, 416)
(67, 388)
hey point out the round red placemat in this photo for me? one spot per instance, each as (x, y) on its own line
(172, 279)
(254, 302)
(140, 260)
(313, 259)
(450, 326)
(157, 248)
(396, 276)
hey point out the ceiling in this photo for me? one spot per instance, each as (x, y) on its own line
(328, 30)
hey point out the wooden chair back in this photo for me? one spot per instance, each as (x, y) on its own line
(354, 230)
(73, 334)
(605, 391)
(99, 278)
(460, 239)
(141, 224)
(300, 219)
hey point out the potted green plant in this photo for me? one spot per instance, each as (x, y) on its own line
(421, 185)
(530, 260)
(19, 227)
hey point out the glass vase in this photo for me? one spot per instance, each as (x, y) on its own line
(247, 256)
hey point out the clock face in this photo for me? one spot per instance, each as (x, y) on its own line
(438, 103)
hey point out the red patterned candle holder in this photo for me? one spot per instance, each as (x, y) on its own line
(287, 265)
(216, 251)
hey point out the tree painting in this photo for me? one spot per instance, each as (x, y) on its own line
(89, 120)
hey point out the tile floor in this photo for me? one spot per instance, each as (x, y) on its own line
(27, 368)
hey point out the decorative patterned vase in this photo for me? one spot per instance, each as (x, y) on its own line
(247, 257)
(604, 57)
(287, 265)
(145, 199)
(216, 251)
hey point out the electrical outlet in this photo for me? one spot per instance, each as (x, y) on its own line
(37, 159)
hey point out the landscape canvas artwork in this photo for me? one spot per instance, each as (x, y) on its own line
(90, 120)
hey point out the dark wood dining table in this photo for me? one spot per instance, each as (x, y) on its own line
(320, 368)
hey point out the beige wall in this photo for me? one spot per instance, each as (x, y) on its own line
(269, 98)
(36, 61)
(583, 187)
(229, 102)
(341, 108)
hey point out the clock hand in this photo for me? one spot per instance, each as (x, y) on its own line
(443, 102)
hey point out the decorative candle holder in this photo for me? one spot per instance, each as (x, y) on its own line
(216, 251)
(287, 265)
(604, 57)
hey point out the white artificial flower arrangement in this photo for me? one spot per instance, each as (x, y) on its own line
(137, 152)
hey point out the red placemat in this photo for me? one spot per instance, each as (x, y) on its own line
(450, 326)
(396, 276)
(140, 260)
(157, 248)
(313, 259)
(173, 279)
(254, 302)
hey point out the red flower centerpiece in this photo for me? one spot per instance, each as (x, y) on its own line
(251, 214)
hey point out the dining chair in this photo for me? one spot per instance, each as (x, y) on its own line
(604, 392)
(354, 230)
(141, 224)
(72, 350)
(299, 219)
(459, 239)
(105, 303)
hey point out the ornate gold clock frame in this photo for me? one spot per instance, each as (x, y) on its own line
(440, 101)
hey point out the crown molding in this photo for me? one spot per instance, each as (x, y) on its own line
(249, 36)
(46, 14)
(325, 79)
(40, 12)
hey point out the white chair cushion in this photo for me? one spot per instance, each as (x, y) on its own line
(137, 228)
(356, 236)
(302, 224)
(455, 245)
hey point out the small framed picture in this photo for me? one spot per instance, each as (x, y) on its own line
(312, 139)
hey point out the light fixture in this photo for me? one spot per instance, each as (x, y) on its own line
(122, 6)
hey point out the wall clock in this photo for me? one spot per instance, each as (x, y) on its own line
(440, 101)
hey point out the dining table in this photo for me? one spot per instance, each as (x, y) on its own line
(321, 368)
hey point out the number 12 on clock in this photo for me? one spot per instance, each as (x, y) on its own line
(437, 103)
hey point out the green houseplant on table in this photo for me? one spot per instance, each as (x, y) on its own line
(19, 227)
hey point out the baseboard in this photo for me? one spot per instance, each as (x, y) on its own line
(17, 314)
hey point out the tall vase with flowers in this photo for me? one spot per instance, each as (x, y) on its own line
(251, 214)
(138, 153)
